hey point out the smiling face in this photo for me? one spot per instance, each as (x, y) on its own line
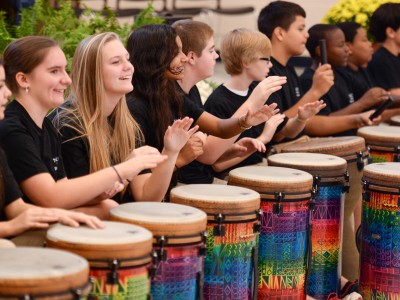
(5, 93)
(177, 66)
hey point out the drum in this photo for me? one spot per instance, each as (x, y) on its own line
(179, 241)
(42, 274)
(395, 120)
(4, 243)
(354, 151)
(380, 246)
(233, 213)
(283, 241)
(330, 183)
(383, 142)
(119, 257)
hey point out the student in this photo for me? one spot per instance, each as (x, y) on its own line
(384, 67)
(16, 216)
(246, 58)
(96, 127)
(35, 73)
(284, 24)
(156, 99)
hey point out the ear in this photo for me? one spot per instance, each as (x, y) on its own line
(22, 80)
(390, 33)
(278, 33)
(318, 52)
(191, 56)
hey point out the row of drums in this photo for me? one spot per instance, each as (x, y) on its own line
(274, 232)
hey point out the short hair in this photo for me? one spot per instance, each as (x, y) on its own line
(193, 34)
(241, 46)
(278, 14)
(386, 15)
(24, 55)
(318, 32)
(349, 29)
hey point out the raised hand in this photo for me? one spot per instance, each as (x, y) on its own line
(178, 134)
(308, 110)
(270, 128)
(261, 115)
(192, 149)
(265, 88)
(323, 79)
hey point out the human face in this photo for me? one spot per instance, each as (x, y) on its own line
(336, 49)
(205, 63)
(177, 65)
(117, 71)
(258, 69)
(49, 80)
(5, 93)
(360, 50)
(296, 36)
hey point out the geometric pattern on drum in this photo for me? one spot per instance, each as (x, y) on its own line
(378, 156)
(325, 270)
(176, 277)
(380, 250)
(282, 251)
(228, 267)
(133, 283)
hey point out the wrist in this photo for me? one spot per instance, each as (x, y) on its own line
(242, 123)
(302, 121)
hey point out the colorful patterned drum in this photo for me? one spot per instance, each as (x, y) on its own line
(179, 241)
(42, 274)
(283, 241)
(354, 151)
(230, 268)
(395, 120)
(330, 181)
(380, 235)
(383, 142)
(119, 257)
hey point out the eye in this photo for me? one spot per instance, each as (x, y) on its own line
(54, 71)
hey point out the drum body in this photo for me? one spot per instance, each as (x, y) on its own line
(380, 235)
(233, 213)
(395, 120)
(179, 241)
(330, 181)
(383, 142)
(283, 241)
(119, 257)
(42, 274)
(354, 151)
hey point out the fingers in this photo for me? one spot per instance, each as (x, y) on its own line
(193, 130)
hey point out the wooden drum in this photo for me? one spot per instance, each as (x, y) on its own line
(119, 257)
(42, 274)
(284, 237)
(233, 213)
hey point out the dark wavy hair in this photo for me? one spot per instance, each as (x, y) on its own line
(151, 49)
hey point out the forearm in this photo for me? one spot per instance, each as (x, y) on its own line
(310, 96)
(100, 210)
(353, 108)
(214, 148)
(328, 125)
(223, 164)
(293, 127)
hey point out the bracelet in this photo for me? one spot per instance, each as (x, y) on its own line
(119, 176)
(301, 120)
(242, 123)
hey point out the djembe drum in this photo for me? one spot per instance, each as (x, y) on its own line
(383, 142)
(179, 241)
(395, 120)
(233, 213)
(354, 151)
(380, 232)
(330, 183)
(119, 256)
(42, 274)
(284, 237)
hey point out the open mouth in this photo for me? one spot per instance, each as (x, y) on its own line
(126, 77)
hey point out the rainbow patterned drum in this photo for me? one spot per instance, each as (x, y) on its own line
(383, 142)
(42, 274)
(230, 268)
(330, 182)
(354, 151)
(395, 120)
(380, 233)
(283, 241)
(179, 241)
(119, 257)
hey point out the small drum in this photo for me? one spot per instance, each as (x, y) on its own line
(395, 120)
(330, 182)
(383, 142)
(230, 268)
(354, 151)
(42, 274)
(179, 241)
(380, 246)
(283, 241)
(119, 257)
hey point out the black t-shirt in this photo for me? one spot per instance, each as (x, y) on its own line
(30, 150)
(385, 69)
(11, 188)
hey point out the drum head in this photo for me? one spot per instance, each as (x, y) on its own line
(380, 135)
(313, 163)
(34, 271)
(217, 198)
(162, 218)
(385, 173)
(117, 240)
(395, 120)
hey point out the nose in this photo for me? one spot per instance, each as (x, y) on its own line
(128, 66)
(66, 79)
